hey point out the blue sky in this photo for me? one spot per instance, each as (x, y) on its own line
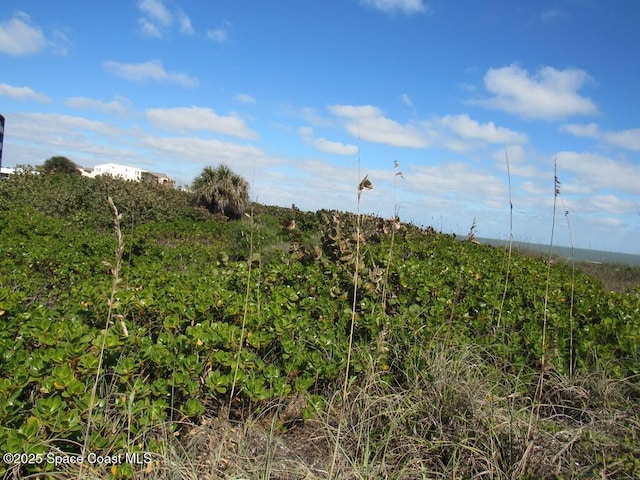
(304, 98)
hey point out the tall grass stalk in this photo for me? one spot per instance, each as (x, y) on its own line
(395, 223)
(572, 360)
(245, 313)
(115, 281)
(365, 184)
(506, 277)
(535, 408)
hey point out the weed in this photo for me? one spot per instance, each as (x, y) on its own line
(115, 275)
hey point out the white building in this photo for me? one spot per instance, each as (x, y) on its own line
(6, 171)
(129, 173)
(117, 170)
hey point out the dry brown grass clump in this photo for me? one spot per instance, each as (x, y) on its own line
(458, 418)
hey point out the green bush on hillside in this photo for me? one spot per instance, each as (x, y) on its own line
(260, 307)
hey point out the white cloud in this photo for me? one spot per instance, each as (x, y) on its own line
(534, 188)
(611, 204)
(312, 116)
(245, 98)
(19, 36)
(368, 123)
(149, 29)
(458, 133)
(570, 187)
(199, 119)
(221, 34)
(58, 123)
(407, 7)
(625, 139)
(336, 148)
(468, 128)
(305, 132)
(22, 93)
(457, 180)
(60, 42)
(209, 151)
(326, 146)
(590, 130)
(606, 222)
(156, 10)
(156, 15)
(548, 94)
(151, 70)
(515, 153)
(40, 136)
(600, 172)
(158, 18)
(522, 162)
(85, 103)
(185, 23)
(406, 100)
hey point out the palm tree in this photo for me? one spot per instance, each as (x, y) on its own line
(221, 190)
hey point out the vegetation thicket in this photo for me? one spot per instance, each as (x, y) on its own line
(133, 320)
(60, 164)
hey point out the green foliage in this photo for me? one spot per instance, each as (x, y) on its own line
(222, 191)
(83, 201)
(60, 165)
(174, 343)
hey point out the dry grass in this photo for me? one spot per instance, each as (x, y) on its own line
(456, 416)
(615, 278)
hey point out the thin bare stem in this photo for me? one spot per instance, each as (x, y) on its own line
(572, 360)
(115, 275)
(395, 223)
(535, 410)
(244, 314)
(364, 184)
(506, 277)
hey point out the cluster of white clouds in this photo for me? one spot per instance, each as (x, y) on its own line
(368, 123)
(19, 36)
(199, 119)
(22, 93)
(459, 133)
(548, 94)
(117, 106)
(626, 139)
(151, 70)
(157, 19)
(598, 182)
(324, 145)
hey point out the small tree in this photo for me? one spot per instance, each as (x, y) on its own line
(60, 165)
(221, 190)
